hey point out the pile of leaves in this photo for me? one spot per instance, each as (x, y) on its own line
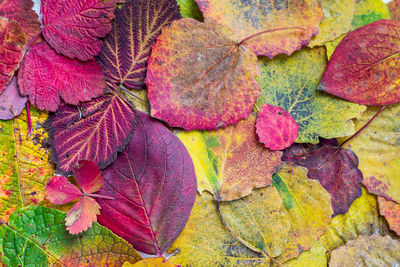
(200, 133)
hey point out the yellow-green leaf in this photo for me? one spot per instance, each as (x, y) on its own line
(150, 262)
(315, 257)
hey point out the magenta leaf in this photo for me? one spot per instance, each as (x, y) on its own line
(96, 130)
(45, 76)
(72, 28)
(60, 191)
(126, 49)
(336, 168)
(11, 102)
(153, 184)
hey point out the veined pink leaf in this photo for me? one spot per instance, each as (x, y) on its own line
(72, 28)
(45, 76)
(126, 49)
(88, 176)
(11, 102)
(82, 215)
(60, 191)
(153, 184)
(96, 130)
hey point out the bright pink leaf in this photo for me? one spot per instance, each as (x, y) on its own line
(88, 176)
(45, 76)
(72, 28)
(276, 128)
(60, 191)
(153, 184)
(82, 215)
(11, 102)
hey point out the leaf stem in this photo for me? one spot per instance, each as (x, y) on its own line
(271, 30)
(130, 93)
(28, 113)
(33, 40)
(98, 196)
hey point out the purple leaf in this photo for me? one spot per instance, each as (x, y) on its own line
(11, 102)
(154, 186)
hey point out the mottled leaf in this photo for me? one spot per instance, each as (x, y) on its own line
(22, 12)
(45, 76)
(314, 257)
(96, 130)
(153, 184)
(276, 128)
(230, 162)
(291, 83)
(190, 9)
(336, 169)
(151, 262)
(24, 163)
(371, 250)
(363, 69)
(394, 7)
(36, 236)
(12, 45)
(72, 28)
(60, 191)
(248, 21)
(198, 78)
(127, 48)
(378, 150)
(391, 211)
(11, 102)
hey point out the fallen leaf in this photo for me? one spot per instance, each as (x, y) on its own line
(276, 128)
(153, 184)
(198, 78)
(230, 162)
(336, 168)
(378, 150)
(391, 211)
(96, 130)
(190, 9)
(45, 76)
(11, 102)
(37, 236)
(248, 21)
(374, 81)
(314, 257)
(150, 262)
(394, 7)
(338, 15)
(291, 83)
(127, 48)
(370, 250)
(24, 163)
(22, 12)
(73, 28)
(12, 45)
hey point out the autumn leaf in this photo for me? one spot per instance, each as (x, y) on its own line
(36, 236)
(11, 102)
(314, 257)
(153, 184)
(96, 130)
(374, 81)
(291, 83)
(394, 7)
(45, 76)
(248, 19)
(276, 128)
(73, 28)
(230, 162)
(391, 211)
(190, 9)
(24, 163)
(370, 250)
(12, 45)
(150, 262)
(336, 169)
(127, 48)
(198, 78)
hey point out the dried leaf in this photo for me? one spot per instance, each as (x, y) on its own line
(96, 130)
(72, 28)
(45, 76)
(394, 7)
(249, 19)
(153, 184)
(36, 236)
(11, 102)
(391, 211)
(276, 128)
(371, 250)
(374, 81)
(291, 83)
(198, 78)
(230, 162)
(12, 45)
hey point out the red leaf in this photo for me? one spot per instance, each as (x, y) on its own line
(60, 191)
(88, 176)
(82, 215)
(363, 69)
(96, 130)
(11, 102)
(45, 76)
(336, 169)
(276, 128)
(72, 28)
(153, 184)
(126, 49)
(12, 44)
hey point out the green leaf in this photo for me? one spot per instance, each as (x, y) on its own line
(189, 9)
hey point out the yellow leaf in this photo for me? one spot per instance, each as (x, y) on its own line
(315, 257)
(150, 262)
